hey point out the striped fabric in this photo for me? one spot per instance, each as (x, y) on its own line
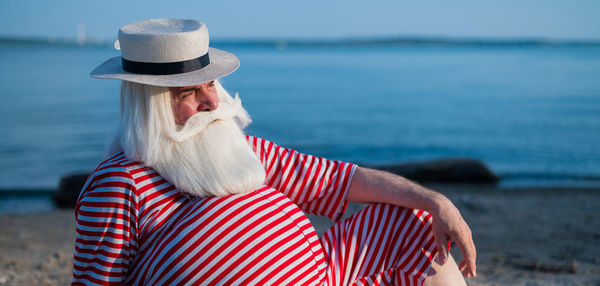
(380, 245)
(135, 228)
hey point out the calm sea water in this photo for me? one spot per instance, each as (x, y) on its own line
(532, 113)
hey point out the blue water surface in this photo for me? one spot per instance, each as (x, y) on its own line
(531, 113)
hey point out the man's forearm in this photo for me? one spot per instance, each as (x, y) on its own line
(373, 186)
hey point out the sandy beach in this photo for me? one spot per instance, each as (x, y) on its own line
(524, 236)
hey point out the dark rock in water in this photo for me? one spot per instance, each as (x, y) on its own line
(68, 190)
(459, 170)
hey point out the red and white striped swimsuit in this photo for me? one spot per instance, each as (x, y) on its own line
(134, 227)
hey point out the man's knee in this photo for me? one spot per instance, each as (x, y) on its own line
(447, 274)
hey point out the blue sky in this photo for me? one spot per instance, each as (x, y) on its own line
(565, 19)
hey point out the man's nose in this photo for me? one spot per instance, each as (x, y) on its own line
(208, 101)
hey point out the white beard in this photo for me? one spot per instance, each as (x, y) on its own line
(216, 162)
(208, 156)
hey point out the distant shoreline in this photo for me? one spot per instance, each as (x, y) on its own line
(283, 43)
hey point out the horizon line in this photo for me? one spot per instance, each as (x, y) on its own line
(279, 42)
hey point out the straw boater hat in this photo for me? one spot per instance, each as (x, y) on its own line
(166, 52)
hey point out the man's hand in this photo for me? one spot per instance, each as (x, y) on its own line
(448, 225)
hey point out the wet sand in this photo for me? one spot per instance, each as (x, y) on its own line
(524, 236)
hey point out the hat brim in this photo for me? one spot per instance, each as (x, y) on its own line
(221, 64)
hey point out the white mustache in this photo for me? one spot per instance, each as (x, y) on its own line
(198, 122)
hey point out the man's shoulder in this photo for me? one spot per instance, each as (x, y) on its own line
(113, 179)
(119, 160)
(119, 166)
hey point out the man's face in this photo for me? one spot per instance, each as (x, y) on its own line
(189, 100)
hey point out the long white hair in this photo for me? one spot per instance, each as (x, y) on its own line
(207, 156)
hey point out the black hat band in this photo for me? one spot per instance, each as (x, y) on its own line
(165, 68)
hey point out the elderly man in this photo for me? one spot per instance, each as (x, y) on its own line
(184, 197)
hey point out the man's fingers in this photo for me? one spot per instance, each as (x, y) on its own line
(441, 241)
(467, 249)
(462, 266)
(468, 271)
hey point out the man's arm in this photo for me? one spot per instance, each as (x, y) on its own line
(372, 186)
